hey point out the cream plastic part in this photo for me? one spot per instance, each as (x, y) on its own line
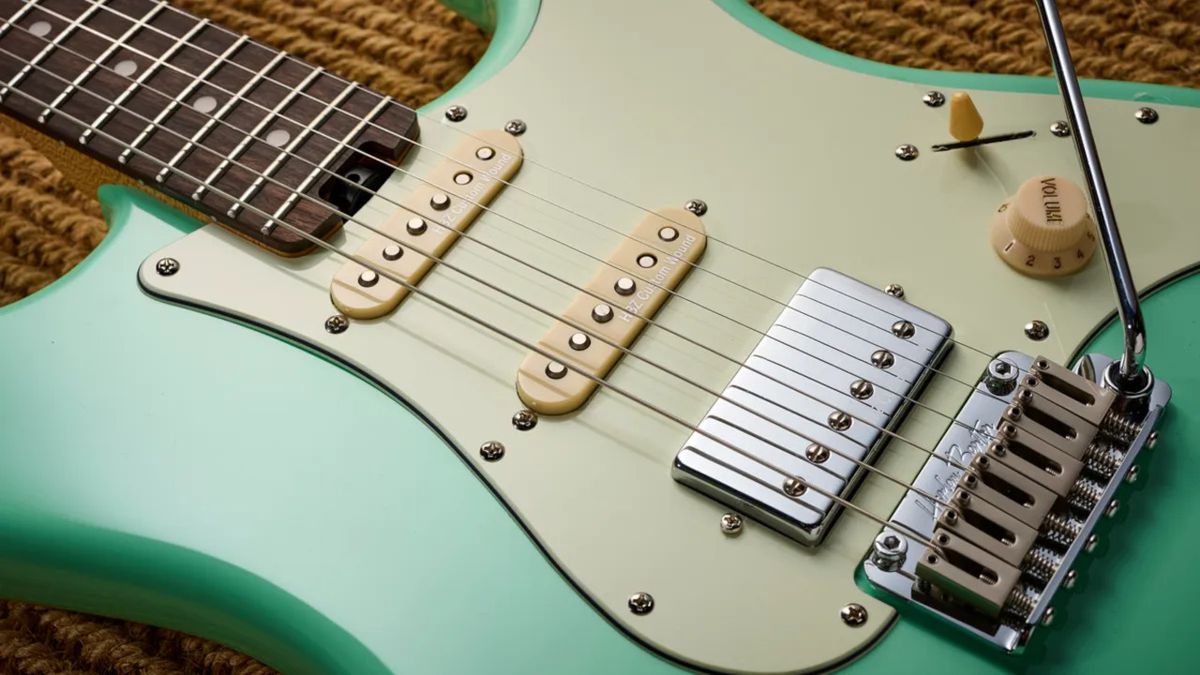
(965, 122)
(371, 296)
(668, 242)
(1044, 230)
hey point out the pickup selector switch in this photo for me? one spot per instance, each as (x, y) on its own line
(1045, 230)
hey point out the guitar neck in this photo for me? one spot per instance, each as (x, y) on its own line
(234, 127)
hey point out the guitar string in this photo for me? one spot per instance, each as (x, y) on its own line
(623, 349)
(912, 400)
(581, 216)
(601, 382)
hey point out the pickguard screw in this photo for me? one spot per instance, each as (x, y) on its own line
(854, 615)
(515, 127)
(338, 323)
(731, 524)
(641, 603)
(1048, 617)
(816, 453)
(1060, 128)
(456, 113)
(1146, 115)
(1090, 544)
(1152, 440)
(696, 206)
(524, 419)
(1132, 476)
(491, 450)
(166, 267)
(907, 152)
(894, 290)
(934, 99)
(1112, 508)
(1070, 579)
(1037, 330)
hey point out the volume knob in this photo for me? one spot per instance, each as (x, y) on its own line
(1044, 230)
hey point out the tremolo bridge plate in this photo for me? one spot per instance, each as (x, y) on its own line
(837, 369)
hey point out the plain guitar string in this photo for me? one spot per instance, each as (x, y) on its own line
(886, 522)
(369, 123)
(673, 293)
(623, 349)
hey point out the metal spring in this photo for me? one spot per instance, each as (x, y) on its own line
(1041, 563)
(1120, 427)
(1061, 528)
(1103, 459)
(1021, 601)
(1085, 494)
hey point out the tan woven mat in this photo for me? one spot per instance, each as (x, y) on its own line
(413, 50)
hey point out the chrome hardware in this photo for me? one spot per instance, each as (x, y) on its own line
(696, 206)
(516, 127)
(1037, 330)
(456, 113)
(903, 329)
(889, 550)
(793, 487)
(934, 99)
(907, 152)
(641, 603)
(1091, 543)
(1060, 128)
(338, 323)
(731, 524)
(166, 267)
(1001, 378)
(491, 450)
(894, 290)
(524, 419)
(861, 389)
(1146, 115)
(797, 391)
(854, 615)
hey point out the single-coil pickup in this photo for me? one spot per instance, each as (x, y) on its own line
(600, 322)
(426, 224)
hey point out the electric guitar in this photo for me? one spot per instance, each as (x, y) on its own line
(666, 340)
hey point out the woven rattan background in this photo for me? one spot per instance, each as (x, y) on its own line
(414, 49)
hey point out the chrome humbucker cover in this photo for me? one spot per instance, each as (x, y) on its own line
(840, 351)
(897, 563)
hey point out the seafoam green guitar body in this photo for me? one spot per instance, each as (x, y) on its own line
(170, 466)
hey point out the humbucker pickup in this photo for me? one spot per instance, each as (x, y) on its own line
(814, 398)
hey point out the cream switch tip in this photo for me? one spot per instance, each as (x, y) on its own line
(965, 122)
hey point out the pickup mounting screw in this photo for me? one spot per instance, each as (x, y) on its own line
(731, 524)
(794, 487)
(854, 615)
(934, 99)
(491, 450)
(166, 267)
(696, 206)
(338, 323)
(1060, 128)
(641, 603)
(894, 290)
(524, 420)
(1146, 115)
(907, 152)
(1037, 330)
(456, 113)
(516, 127)
(816, 453)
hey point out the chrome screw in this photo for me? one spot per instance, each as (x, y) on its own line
(166, 267)
(854, 615)
(1090, 544)
(903, 329)
(1001, 378)
(888, 551)
(894, 290)
(934, 99)
(1112, 508)
(1069, 580)
(882, 358)
(731, 524)
(338, 323)
(515, 127)
(696, 206)
(1060, 128)
(907, 152)
(524, 419)
(456, 113)
(1152, 439)
(816, 453)
(1037, 330)
(1048, 617)
(861, 389)
(1146, 115)
(641, 603)
(491, 450)
(794, 487)
(1132, 476)
(839, 421)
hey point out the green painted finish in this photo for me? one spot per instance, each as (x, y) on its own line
(508, 21)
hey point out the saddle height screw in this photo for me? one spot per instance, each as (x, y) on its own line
(1146, 115)
(696, 206)
(456, 113)
(907, 152)
(934, 99)
(491, 450)
(166, 267)
(516, 127)
(894, 290)
(1060, 128)
(641, 603)
(524, 419)
(854, 615)
(1037, 330)
(338, 323)
(731, 524)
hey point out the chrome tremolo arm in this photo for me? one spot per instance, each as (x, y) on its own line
(1131, 377)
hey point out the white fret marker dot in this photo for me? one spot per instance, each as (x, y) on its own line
(40, 28)
(125, 68)
(277, 137)
(205, 104)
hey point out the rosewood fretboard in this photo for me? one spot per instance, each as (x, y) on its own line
(242, 131)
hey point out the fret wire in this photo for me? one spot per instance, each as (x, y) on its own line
(323, 166)
(50, 47)
(202, 132)
(216, 173)
(11, 21)
(146, 73)
(92, 67)
(178, 100)
(286, 151)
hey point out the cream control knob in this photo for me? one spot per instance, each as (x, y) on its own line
(1044, 230)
